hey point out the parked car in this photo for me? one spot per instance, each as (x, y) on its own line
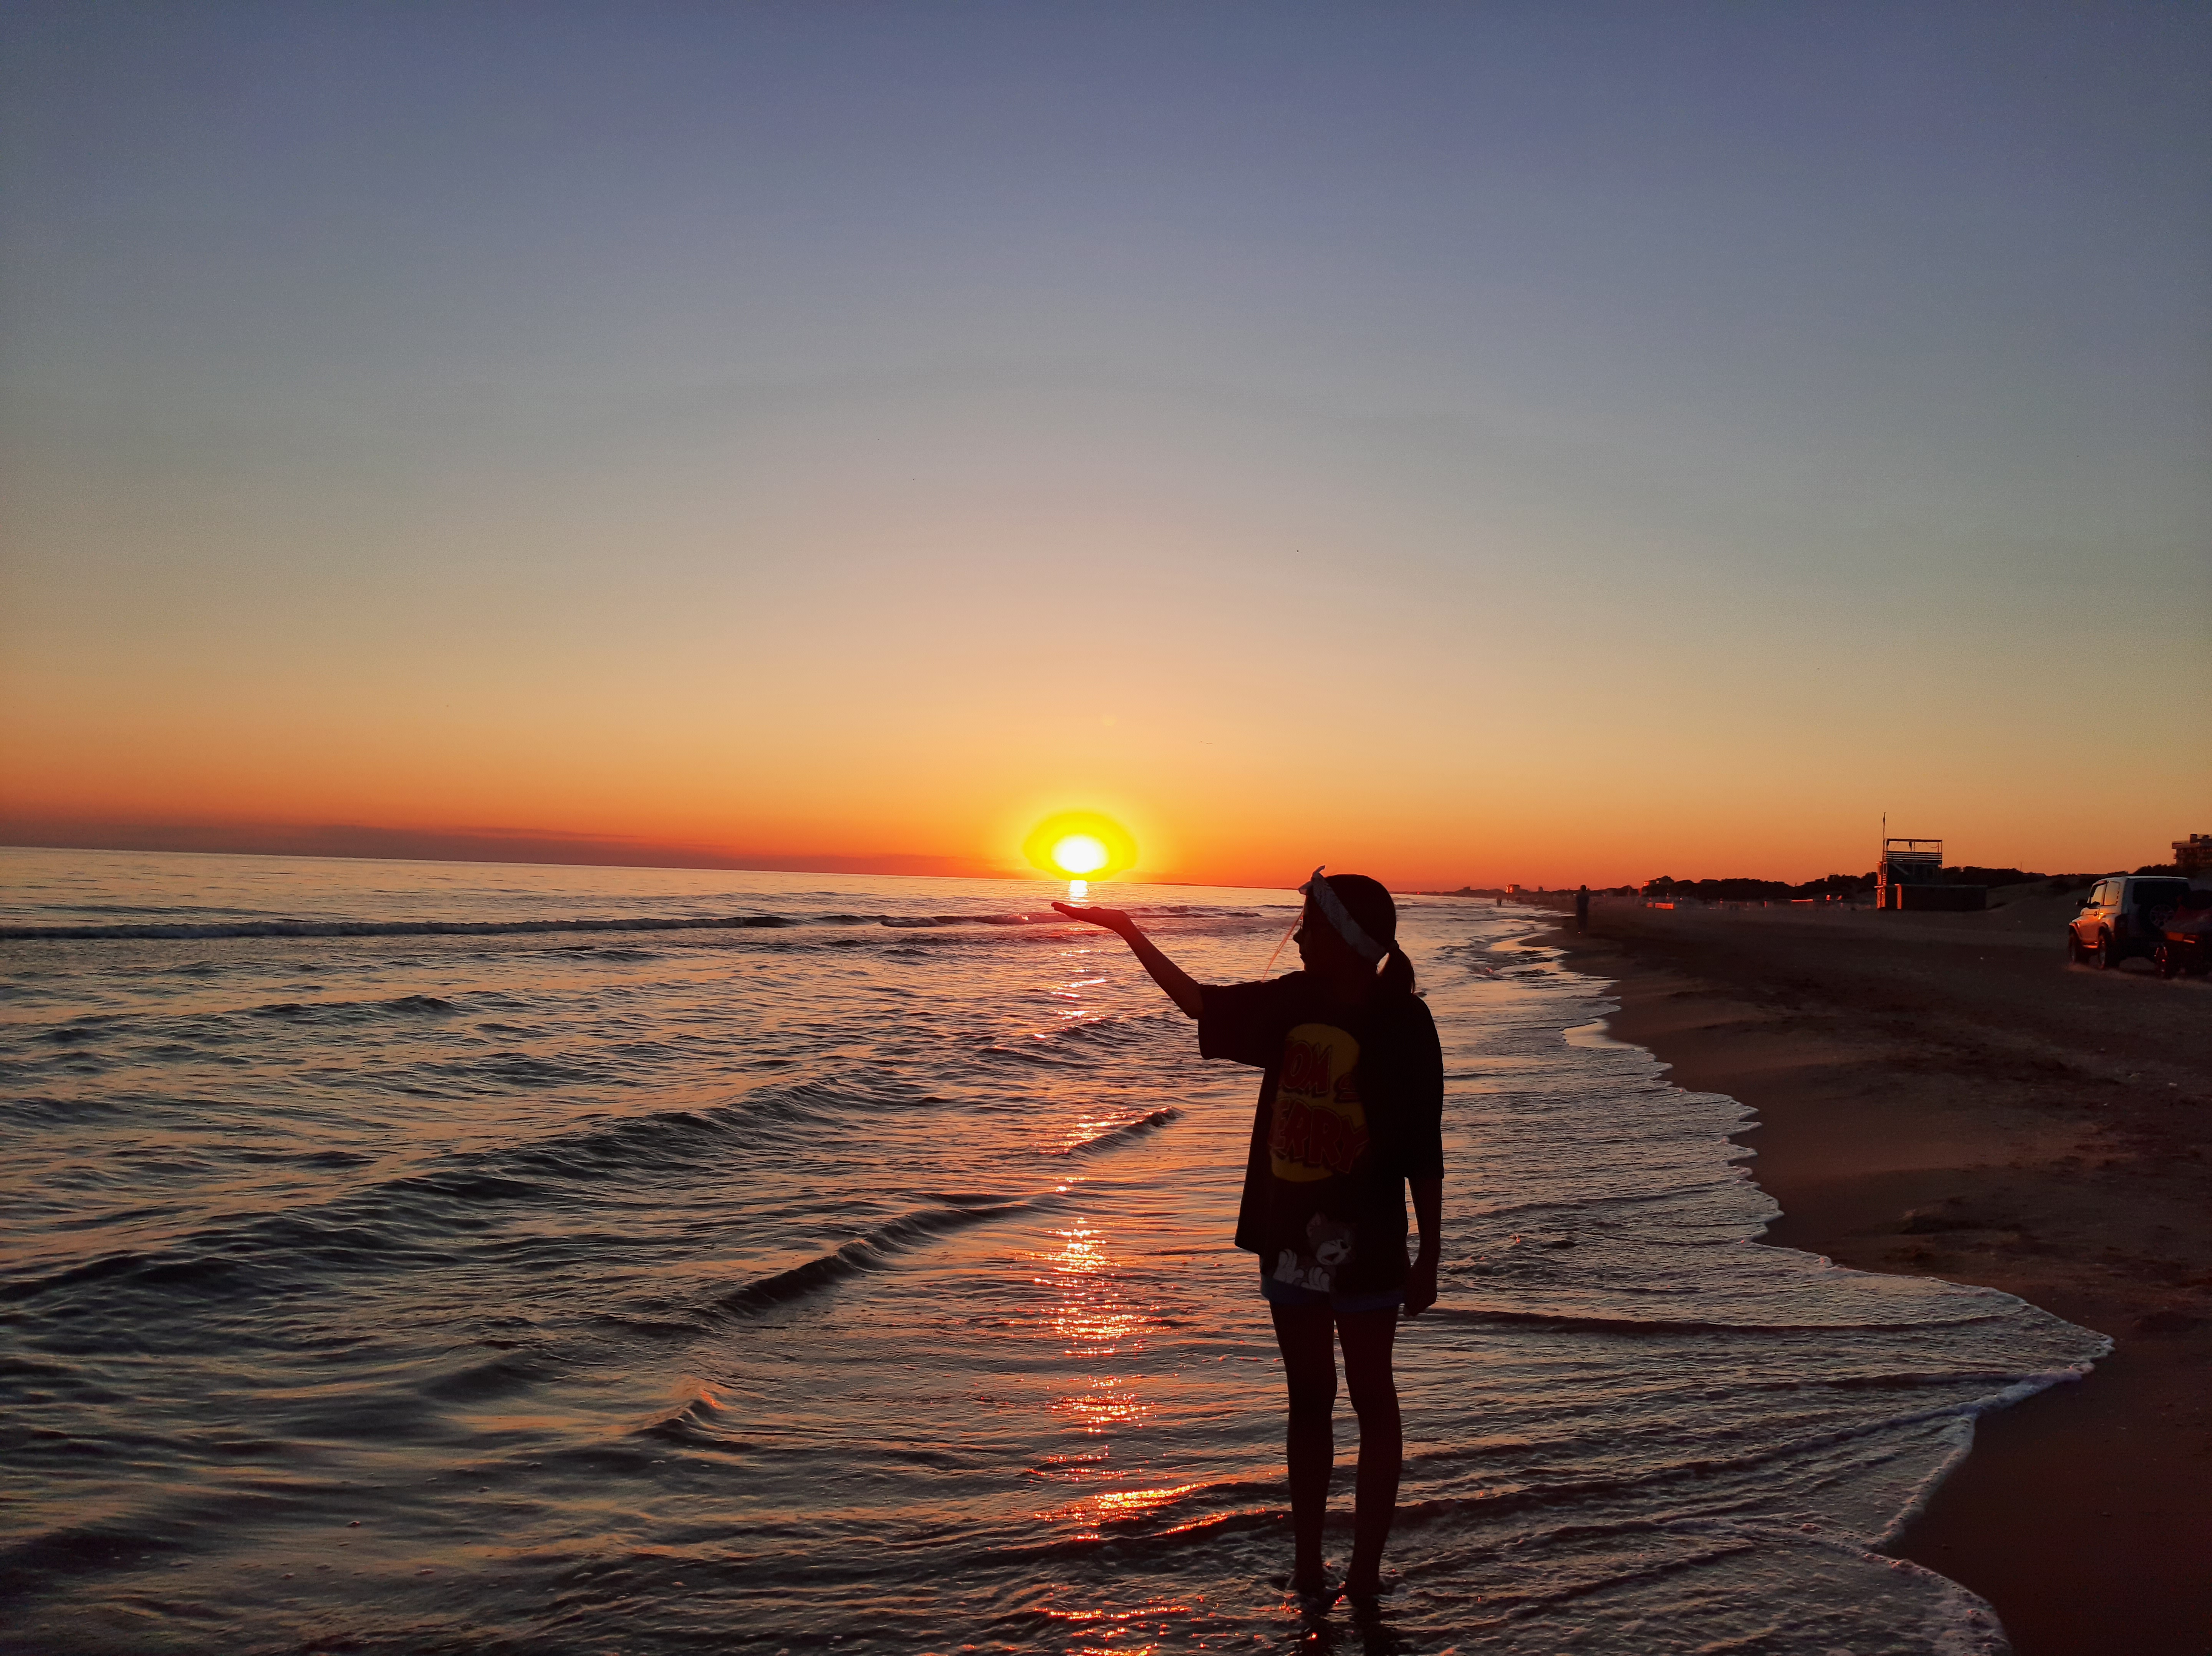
(2185, 937)
(2126, 916)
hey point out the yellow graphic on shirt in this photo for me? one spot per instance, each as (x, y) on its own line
(1319, 1128)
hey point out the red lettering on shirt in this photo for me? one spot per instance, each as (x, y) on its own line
(1306, 1069)
(1317, 1137)
(1327, 1140)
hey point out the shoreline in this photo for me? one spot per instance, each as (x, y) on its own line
(1946, 1096)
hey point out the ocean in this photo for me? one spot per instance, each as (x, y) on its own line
(457, 1257)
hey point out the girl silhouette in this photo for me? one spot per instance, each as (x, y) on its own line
(1350, 1114)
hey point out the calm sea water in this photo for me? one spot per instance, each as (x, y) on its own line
(394, 1263)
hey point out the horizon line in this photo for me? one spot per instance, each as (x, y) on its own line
(364, 842)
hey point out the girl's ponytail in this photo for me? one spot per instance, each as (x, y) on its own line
(1397, 974)
(1371, 909)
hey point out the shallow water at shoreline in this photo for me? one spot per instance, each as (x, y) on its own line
(863, 1276)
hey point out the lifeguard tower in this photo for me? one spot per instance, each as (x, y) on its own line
(1911, 876)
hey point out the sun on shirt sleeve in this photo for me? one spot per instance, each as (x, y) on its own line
(1239, 1022)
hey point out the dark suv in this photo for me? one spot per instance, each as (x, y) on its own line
(2122, 916)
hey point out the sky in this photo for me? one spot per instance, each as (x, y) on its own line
(1467, 443)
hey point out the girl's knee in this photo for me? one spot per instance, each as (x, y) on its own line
(1312, 1399)
(1378, 1424)
(1375, 1404)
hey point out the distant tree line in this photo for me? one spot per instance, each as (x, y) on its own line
(1739, 890)
(1845, 885)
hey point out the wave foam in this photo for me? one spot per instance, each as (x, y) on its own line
(868, 1251)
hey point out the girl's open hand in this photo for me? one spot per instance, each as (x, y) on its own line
(1113, 919)
(1168, 975)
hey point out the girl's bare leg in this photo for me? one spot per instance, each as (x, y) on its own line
(1368, 1337)
(1307, 1339)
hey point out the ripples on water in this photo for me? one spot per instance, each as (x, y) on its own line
(859, 1276)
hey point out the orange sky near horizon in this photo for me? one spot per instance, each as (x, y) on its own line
(1461, 448)
(934, 700)
(1255, 800)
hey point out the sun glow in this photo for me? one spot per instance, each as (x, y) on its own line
(1080, 847)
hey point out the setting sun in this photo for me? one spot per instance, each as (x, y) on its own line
(1079, 855)
(1080, 845)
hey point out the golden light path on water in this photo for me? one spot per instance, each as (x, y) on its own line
(1093, 1319)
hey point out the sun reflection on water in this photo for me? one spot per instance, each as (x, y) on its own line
(1114, 1402)
(1098, 1314)
(1090, 1514)
(1090, 1316)
(1134, 1629)
(1077, 1008)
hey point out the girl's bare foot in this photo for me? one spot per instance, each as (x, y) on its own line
(1363, 1589)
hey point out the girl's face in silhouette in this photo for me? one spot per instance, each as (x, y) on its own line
(1320, 948)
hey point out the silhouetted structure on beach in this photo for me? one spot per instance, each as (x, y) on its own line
(1911, 876)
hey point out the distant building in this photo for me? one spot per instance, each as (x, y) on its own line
(2193, 856)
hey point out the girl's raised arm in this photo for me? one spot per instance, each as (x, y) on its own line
(1180, 987)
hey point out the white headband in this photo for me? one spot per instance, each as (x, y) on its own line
(1325, 897)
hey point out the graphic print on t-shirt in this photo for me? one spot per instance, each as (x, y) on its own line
(1320, 1130)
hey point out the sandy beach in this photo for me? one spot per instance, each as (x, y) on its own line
(1943, 1094)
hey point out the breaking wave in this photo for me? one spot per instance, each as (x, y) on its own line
(865, 1252)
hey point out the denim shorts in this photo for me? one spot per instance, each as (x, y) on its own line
(1291, 1296)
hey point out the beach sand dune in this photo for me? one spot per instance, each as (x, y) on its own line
(1943, 1094)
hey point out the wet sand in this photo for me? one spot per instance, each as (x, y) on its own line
(1943, 1094)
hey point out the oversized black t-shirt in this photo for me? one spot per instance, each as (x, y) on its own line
(1351, 1106)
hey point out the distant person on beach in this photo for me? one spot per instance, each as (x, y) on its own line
(1582, 908)
(1351, 1112)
